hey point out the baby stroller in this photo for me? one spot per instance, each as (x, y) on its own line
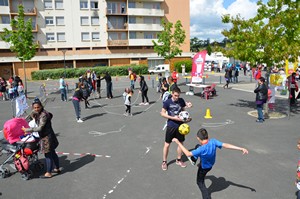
(24, 155)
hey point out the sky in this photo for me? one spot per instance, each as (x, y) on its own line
(206, 16)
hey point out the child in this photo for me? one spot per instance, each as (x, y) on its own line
(11, 92)
(20, 88)
(128, 102)
(298, 173)
(207, 154)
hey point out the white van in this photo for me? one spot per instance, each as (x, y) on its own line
(161, 68)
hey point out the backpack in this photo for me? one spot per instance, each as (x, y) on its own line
(166, 96)
(134, 76)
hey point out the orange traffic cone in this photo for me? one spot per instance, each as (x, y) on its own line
(206, 76)
(208, 115)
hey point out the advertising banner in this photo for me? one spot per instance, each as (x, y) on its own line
(198, 66)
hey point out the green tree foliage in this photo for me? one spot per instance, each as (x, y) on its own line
(20, 38)
(170, 40)
(272, 36)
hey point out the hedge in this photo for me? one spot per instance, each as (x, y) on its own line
(187, 63)
(77, 72)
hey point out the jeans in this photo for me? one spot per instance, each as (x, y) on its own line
(51, 159)
(109, 90)
(200, 182)
(260, 114)
(298, 194)
(63, 94)
(76, 104)
(132, 84)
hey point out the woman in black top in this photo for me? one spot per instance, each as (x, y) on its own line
(77, 97)
(107, 78)
(144, 90)
(261, 98)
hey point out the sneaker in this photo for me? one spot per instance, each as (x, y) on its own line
(141, 104)
(192, 160)
(180, 163)
(164, 166)
(146, 103)
(79, 120)
(130, 115)
(126, 114)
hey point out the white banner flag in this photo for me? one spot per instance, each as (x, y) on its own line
(21, 105)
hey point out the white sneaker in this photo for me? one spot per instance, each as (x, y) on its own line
(126, 114)
(146, 103)
(79, 120)
(141, 104)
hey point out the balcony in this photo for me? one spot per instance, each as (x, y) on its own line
(141, 42)
(117, 28)
(27, 12)
(117, 42)
(2, 26)
(145, 12)
(4, 10)
(145, 27)
(116, 12)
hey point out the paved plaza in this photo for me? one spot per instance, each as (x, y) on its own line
(110, 156)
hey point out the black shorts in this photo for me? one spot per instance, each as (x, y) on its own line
(173, 133)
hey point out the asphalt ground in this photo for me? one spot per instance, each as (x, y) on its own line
(127, 151)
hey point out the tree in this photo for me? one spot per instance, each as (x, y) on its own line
(170, 40)
(21, 39)
(272, 36)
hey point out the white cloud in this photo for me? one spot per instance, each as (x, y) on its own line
(206, 16)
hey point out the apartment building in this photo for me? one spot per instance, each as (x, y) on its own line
(85, 33)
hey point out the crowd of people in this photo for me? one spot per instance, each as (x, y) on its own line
(12, 88)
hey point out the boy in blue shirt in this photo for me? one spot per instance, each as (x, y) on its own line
(207, 154)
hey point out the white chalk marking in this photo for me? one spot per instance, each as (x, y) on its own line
(217, 124)
(97, 133)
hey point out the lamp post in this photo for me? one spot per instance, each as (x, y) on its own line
(64, 52)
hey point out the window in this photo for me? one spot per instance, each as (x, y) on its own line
(95, 36)
(84, 21)
(50, 36)
(132, 35)
(95, 20)
(4, 19)
(48, 4)
(59, 4)
(3, 2)
(60, 21)
(85, 36)
(61, 36)
(132, 20)
(150, 35)
(83, 4)
(94, 5)
(131, 4)
(49, 20)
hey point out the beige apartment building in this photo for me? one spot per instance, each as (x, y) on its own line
(86, 33)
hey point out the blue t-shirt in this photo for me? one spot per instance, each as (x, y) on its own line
(174, 108)
(207, 153)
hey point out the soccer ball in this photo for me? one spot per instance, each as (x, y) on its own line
(184, 129)
(184, 115)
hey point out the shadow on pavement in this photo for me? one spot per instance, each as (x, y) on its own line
(69, 166)
(219, 184)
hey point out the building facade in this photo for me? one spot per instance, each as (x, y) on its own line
(85, 33)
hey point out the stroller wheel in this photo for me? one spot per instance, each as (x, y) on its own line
(39, 166)
(27, 175)
(4, 173)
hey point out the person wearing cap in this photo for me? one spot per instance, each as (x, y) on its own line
(207, 154)
(48, 138)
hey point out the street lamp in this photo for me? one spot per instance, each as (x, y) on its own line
(64, 52)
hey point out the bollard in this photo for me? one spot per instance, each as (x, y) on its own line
(152, 83)
(220, 79)
(203, 80)
(251, 78)
(186, 80)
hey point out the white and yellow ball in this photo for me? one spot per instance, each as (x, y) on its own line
(184, 129)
